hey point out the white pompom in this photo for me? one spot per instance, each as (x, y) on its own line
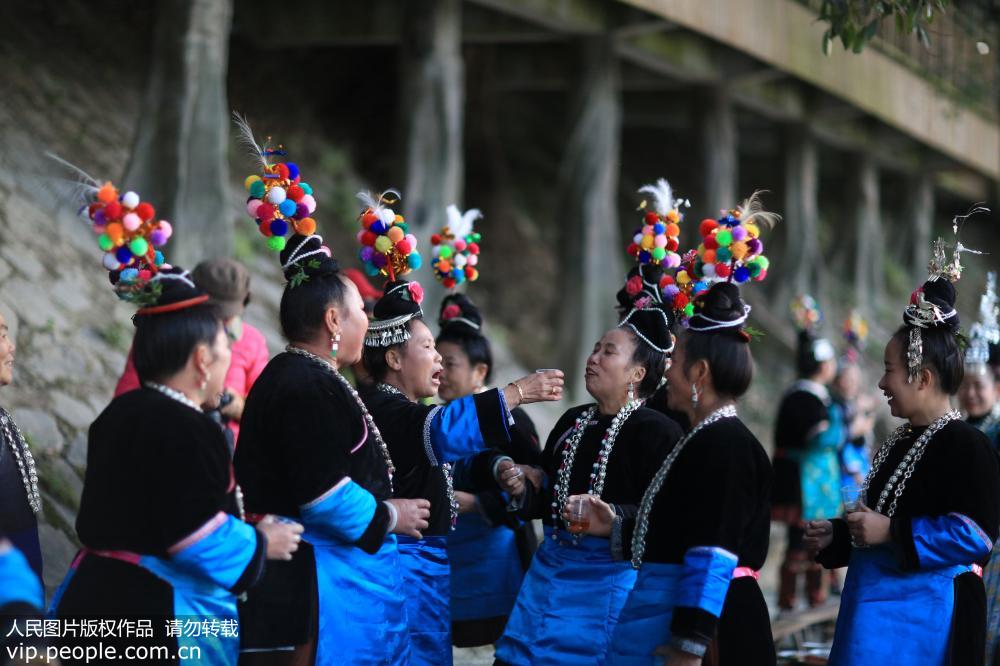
(388, 215)
(111, 262)
(637, 239)
(473, 259)
(460, 260)
(708, 270)
(276, 195)
(130, 200)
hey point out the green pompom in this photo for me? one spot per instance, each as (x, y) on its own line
(257, 189)
(724, 238)
(404, 226)
(755, 268)
(689, 310)
(139, 246)
(383, 244)
(659, 253)
(764, 262)
(445, 252)
(105, 242)
(476, 237)
(276, 243)
(306, 187)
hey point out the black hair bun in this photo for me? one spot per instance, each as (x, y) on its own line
(310, 258)
(941, 293)
(458, 311)
(653, 324)
(721, 302)
(401, 298)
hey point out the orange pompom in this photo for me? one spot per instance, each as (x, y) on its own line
(673, 216)
(673, 229)
(739, 249)
(306, 226)
(107, 193)
(399, 219)
(444, 266)
(116, 232)
(708, 257)
(395, 234)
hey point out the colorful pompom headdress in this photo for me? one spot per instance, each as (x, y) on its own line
(279, 201)
(387, 246)
(456, 248)
(657, 240)
(132, 238)
(932, 305)
(730, 252)
(986, 332)
(808, 318)
(855, 332)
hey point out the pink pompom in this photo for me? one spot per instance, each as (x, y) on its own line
(310, 203)
(660, 241)
(473, 259)
(360, 236)
(459, 245)
(166, 228)
(413, 240)
(647, 230)
(131, 222)
(252, 207)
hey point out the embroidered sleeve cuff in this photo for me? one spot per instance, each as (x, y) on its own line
(688, 645)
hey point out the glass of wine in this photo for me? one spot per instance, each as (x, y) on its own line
(854, 497)
(579, 515)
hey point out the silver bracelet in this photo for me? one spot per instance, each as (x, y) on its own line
(393, 516)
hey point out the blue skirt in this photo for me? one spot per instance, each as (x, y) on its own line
(425, 573)
(485, 569)
(568, 605)
(644, 624)
(889, 616)
(362, 616)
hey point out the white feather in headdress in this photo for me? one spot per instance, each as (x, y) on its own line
(459, 223)
(753, 210)
(663, 197)
(246, 139)
(83, 186)
(378, 202)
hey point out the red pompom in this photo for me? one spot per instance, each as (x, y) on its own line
(295, 193)
(672, 245)
(435, 239)
(403, 247)
(145, 274)
(470, 271)
(112, 211)
(450, 312)
(145, 211)
(633, 250)
(368, 219)
(448, 282)
(665, 280)
(711, 243)
(265, 230)
(473, 248)
(265, 212)
(368, 238)
(680, 300)
(93, 208)
(281, 169)
(707, 226)
(722, 270)
(652, 218)
(634, 285)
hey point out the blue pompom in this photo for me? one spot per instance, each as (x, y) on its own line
(699, 286)
(129, 275)
(306, 187)
(279, 227)
(379, 227)
(158, 258)
(414, 260)
(659, 228)
(293, 170)
(123, 255)
(287, 208)
(742, 274)
(645, 257)
(371, 269)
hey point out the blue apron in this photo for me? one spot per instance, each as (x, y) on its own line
(485, 569)
(890, 616)
(644, 624)
(568, 605)
(362, 616)
(425, 572)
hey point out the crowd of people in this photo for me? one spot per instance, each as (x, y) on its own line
(327, 509)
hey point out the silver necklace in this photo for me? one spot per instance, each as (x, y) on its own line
(646, 505)
(904, 470)
(173, 394)
(369, 421)
(446, 468)
(599, 470)
(25, 461)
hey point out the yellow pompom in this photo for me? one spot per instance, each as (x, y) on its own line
(739, 249)
(683, 277)
(646, 243)
(752, 229)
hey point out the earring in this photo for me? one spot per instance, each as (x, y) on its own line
(334, 345)
(631, 392)
(694, 395)
(204, 382)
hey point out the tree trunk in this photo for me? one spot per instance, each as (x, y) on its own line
(868, 283)
(431, 103)
(801, 215)
(179, 161)
(720, 157)
(592, 267)
(920, 213)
